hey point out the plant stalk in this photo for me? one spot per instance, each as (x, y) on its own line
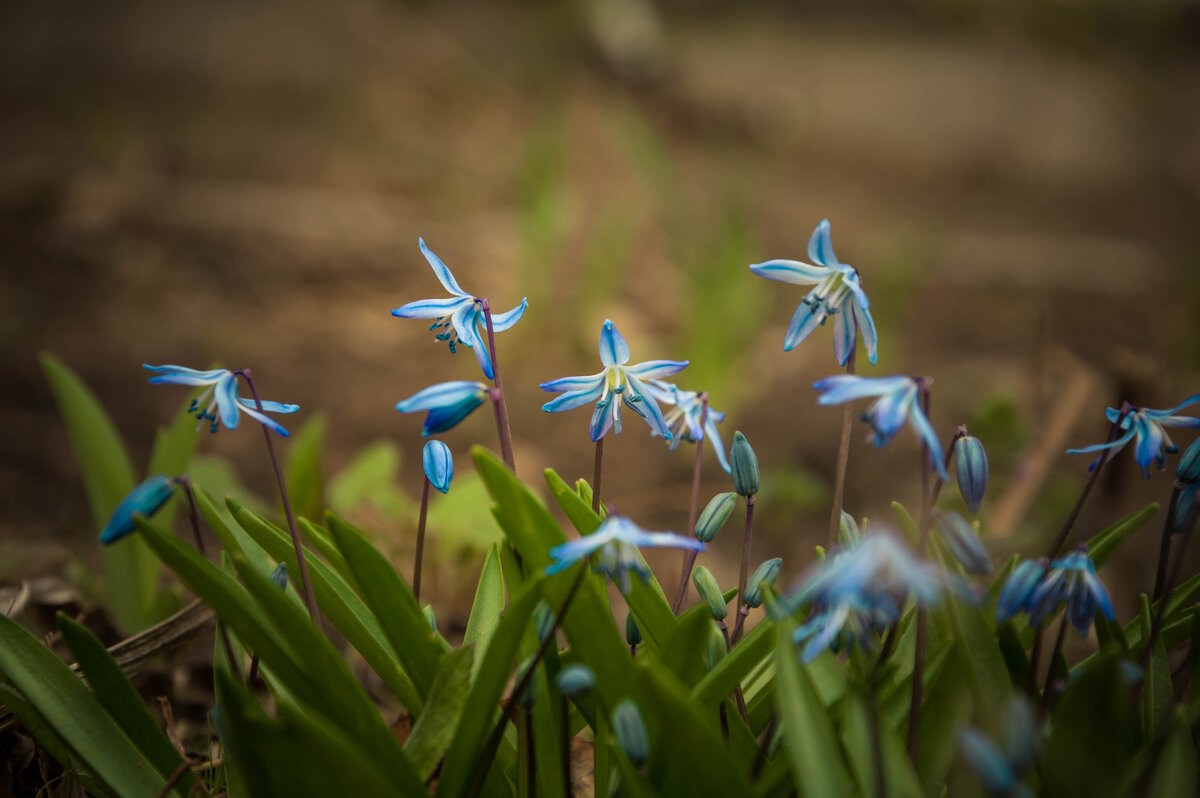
(416, 584)
(596, 473)
(744, 573)
(497, 395)
(1058, 644)
(839, 480)
(1164, 550)
(689, 557)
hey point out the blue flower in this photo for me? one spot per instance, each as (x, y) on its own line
(897, 402)
(438, 464)
(683, 419)
(221, 396)
(617, 540)
(616, 381)
(459, 317)
(447, 402)
(838, 293)
(1147, 426)
(146, 499)
(1072, 580)
(1019, 588)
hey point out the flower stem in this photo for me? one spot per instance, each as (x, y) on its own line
(878, 775)
(737, 691)
(1034, 657)
(764, 745)
(1172, 579)
(839, 483)
(416, 583)
(689, 557)
(1164, 550)
(564, 720)
(502, 426)
(305, 582)
(596, 472)
(1058, 644)
(484, 762)
(194, 517)
(744, 573)
(1069, 523)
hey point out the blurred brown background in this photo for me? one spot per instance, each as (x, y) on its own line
(244, 183)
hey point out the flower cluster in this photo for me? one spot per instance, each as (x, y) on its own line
(1038, 591)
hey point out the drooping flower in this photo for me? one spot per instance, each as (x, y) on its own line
(683, 418)
(1072, 580)
(458, 316)
(220, 401)
(146, 500)
(1002, 767)
(838, 293)
(447, 402)
(1147, 427)
(616, 381)
(1015, 595)
(617, 540)
(897, 403)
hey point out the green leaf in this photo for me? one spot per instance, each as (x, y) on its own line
(1175, 773)
(47, 737)
(817, 765)
(683, 654)
(647, 602)
(393, 604)
(482, 705)
(1106, 543)
(322, 541)
(340, 604)
(130, 571)
(906, 523)
(231, 535)
(74, 713)
(753, 649)
(486, 609)
(119, 698)
(948, 705)
(434, 730)
(1158, 694)
(899, 776)
(303, 473)
(371, 478)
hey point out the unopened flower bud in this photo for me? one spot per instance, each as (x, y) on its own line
(964, 543)
(543, 620)
(848, 531)
(714, 648)
(1188, 470)
(715, 514)
(146, 499)
(764, 574)
(439, 465)
(744, 466)
(633, 635)
(710, 591)
(430, 618)
(971, 468)
(279, 576)
(575, 680)
(630, 732)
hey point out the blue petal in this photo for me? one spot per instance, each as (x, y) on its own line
(574, 399)
(440, 419)
(845, 387)
(888, 413)
(639, 400)
(573, 383)
(656, 369)
(1191, 400)
(438, 464)
(714, 438)
(265, 420)
(227, 400)
(1099, 447)
(820, 246)
(806, 319)
(440, 269)
(869, 335)
(1149, 443)
(613, 349)
(269, 406)
(440, 395)
(502, 321)
(923, 429)
(790, 271)
(571, 552)
(855, 285)
(431, 308)
(603, 418)
(146, 499)
(844, 332)
(987, 762)
(1100, 596)
(178, 375)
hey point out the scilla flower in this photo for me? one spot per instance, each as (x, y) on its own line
(617, 541)
(897, 403)
(458, 317)
(220, 401)
(447, 402)
(1071, 580)
(683, 419)
(838, 293)
(616, 382)
(1147, 427)
(145, 500)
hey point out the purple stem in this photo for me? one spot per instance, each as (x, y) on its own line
(420, 540)
(497, 393)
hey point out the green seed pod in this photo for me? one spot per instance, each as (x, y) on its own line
(765, 574)
(279, 576)
(630, 731)
(744, 465)
(543, 620)
(848, 531)
(971, 469)
(714, 648)
(633, 635)
(715, 514)
(575, 680)
(429, 616)
(710, 591)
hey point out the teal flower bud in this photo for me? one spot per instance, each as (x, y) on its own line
(427, 611)
(964, 543)
(279, 576)
(971, 468)
(848, 531)
(1188, 470)
(744, 466)
(146, 499)
(631, 732)
(633, 635)
(764, 574)
(529, 695)
(710, 591)
(543, 620)
(714, 648)
(439, 465)
(575, 680)
(715, 514)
